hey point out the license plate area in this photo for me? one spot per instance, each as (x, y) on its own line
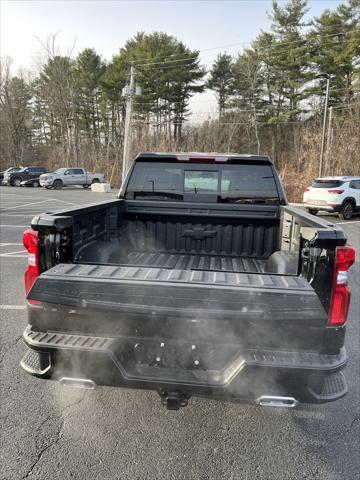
(180, 362)
(316, 202)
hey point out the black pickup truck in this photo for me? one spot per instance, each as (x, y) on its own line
(199, 279)
(15, 178)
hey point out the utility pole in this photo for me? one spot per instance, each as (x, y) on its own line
(327, 76)
(128, 118)
(329, 141)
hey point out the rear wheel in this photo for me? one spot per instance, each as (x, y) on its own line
(313, 211)
(17, 182)
(36, 184)
(96, 180)
(58, 184)
(347, 211)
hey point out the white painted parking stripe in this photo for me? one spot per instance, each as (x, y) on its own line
(4, 255)
(12, 253)
(9, 244)
(62, 201)
(14, 226)
(347, 223)
(16, 195)
(25, 205)
(12, 307)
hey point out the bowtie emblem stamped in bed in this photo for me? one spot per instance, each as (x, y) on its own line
(199, 233)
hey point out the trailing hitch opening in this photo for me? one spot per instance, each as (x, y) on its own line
(174, 400)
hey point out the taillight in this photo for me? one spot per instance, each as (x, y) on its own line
(307, 190)
(31, 243)
(336, 191)
(340, 296)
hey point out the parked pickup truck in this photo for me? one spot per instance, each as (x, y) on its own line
(198, 280)
(15, 177)
(7, 172)
(64, 177)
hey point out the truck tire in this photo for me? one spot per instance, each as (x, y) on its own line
(58, 184)
(96, 180)
(16, 182)
(36, 184)
(347, 211)
(313, 211)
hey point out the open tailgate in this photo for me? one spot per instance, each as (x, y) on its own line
(247, 309)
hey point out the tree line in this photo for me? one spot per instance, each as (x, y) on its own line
(269, 101)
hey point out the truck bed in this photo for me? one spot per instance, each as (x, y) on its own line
(196, 262)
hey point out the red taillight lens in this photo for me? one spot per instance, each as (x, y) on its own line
(336, 191)
(340, 296)
(345, 257)
(307, 189)
(31, 243)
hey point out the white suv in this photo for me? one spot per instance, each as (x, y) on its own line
(334, 194)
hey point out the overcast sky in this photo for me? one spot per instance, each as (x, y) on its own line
(106, 25)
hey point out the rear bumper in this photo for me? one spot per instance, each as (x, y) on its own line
(244, 375)
(326, 208)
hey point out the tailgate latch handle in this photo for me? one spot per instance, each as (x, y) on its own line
(199, 233)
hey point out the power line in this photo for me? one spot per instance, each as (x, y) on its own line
(274, 46)
(242, 43)
(273, 52)
(263, 112)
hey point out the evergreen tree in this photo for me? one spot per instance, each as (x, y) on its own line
(221, 80)
(15, 117)
(335, 46)
(88, 72)
(168, 72)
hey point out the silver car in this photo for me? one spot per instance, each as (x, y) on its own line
(65, 177)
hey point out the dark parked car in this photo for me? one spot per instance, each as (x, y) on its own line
(199, 279)
(33, 182)
(8, 171)
(15, 178)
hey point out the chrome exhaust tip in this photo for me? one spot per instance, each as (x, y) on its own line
(276, 401)
(78, 383)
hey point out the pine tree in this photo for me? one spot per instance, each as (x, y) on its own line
(335, 46)
(168, 72)
(221, 80)
(89, 69)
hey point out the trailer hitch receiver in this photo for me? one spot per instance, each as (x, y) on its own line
(174, 400)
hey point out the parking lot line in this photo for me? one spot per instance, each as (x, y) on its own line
(12, 307)
(346, 223)
(25, 205)
(9, 244)
(63, 201)
(13, 253)
(14, 226)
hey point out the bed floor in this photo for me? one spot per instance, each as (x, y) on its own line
(187, 261)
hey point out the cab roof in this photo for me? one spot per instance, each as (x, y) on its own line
(215, 156)
(344, 178)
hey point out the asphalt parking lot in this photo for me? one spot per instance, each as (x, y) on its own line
(52, 432)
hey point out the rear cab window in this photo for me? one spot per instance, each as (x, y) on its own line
(242, 182)
(326, 184)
